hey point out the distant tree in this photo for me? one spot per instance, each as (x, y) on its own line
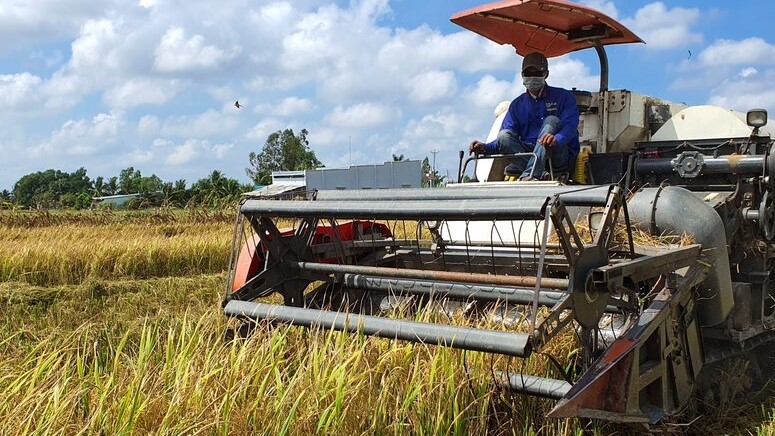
(111, 188)
(176, 194)
(129, 181)
(75, 201)
(46, 188)
(282, 151)
(76, 182)
(398, 158)
(6, 199)
(426, 173)
(431, 178)
(216, 190)
(98, 187)
(148, 186)
(82, 201)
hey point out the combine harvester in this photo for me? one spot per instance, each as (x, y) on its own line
(648, 319)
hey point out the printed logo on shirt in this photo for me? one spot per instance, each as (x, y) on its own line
(551, 106)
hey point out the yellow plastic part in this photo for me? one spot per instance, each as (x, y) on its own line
(580, 171)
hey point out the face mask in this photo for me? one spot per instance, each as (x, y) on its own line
(533, 84)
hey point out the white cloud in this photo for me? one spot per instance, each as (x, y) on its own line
(84, 138)
(18, 90)
(93, 64)
(138, 156)
(326, 136)
(747, 51)
(193, 149)
(94, 46)
(748, 89)
(223, 92)
(148, 125)
(488, 92)
(605, 6)
(186, 152)
(177, 53)
(748, 72)
(664, 28)
(293, 106)
(432, 86)
(136, 92)
(363, 115)
(422, 48)
(278, 12)
(337, 68)
(263, 129)
(210, 123)
(570, 73)
(725, 61)
(220, 150)
(42, 21)
(442, 124)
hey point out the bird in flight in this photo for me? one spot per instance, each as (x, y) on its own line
(237, 105)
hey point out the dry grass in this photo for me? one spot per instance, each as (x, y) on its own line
(72, 253)
(148, 357)
(116, 328)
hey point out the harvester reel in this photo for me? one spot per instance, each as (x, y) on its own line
(490, 246)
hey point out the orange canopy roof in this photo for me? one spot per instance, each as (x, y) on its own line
(552, 27)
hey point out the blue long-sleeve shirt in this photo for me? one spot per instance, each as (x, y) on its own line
(526, 116)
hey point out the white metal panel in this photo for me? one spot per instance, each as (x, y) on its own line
(705, 122)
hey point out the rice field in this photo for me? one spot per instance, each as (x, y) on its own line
(111, 324)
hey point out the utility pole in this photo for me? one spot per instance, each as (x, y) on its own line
(433, 182)
(350, 145)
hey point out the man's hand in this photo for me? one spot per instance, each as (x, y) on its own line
(476, 147)
(547, 140)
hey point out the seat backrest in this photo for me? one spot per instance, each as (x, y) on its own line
(488, 170)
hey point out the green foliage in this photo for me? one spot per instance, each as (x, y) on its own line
(46, 188)
(56, 189)
(398, 158)
(217, 190)
(283, 151)
(112, 187)
(6, 199)
(431, 178)
(131, 181)
(176, 194)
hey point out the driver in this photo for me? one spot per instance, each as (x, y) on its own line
(543, 118)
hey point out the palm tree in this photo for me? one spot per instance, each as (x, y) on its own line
(98, 187)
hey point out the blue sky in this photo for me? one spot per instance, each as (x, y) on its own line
(107, 84)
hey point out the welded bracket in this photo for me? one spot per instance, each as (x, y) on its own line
(278, 275)
(612, 276)
(560, 316)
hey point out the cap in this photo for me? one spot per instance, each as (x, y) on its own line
(535, 60)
